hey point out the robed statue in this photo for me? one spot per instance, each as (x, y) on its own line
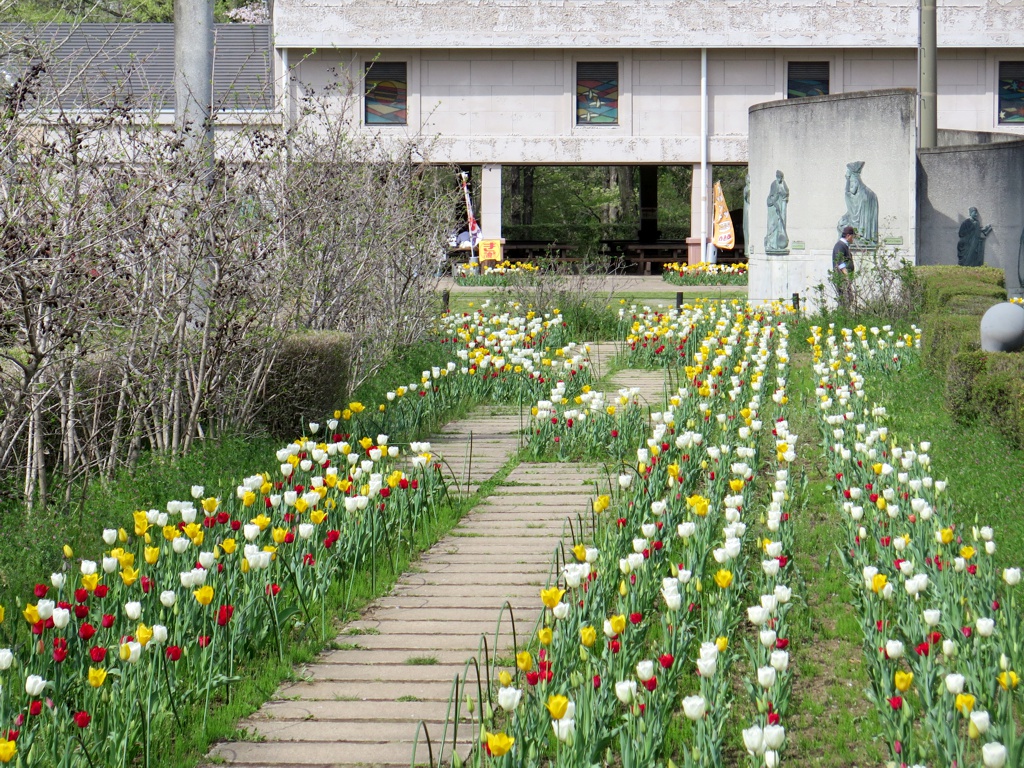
(777, 241)
(861, 207)
(970, 248)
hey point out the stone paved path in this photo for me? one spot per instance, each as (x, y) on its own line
(360, 705)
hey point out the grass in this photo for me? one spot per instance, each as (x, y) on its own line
(421, 661)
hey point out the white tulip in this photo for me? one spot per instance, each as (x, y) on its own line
(753, 740)
(645, 670)
(993, 755)
(694, 707)
(954, 683)
(509, 698)
(6, 659)
(133, 610)
(985, 626)
(168, 598)
(626, 691)
(766, 677)
(774, 736)
(109, 536)
(34, 685)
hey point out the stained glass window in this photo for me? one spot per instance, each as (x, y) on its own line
(597, 93)
(807, 78)
(1011, 91)
(387, 88)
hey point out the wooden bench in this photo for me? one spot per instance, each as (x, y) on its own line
(643, 255)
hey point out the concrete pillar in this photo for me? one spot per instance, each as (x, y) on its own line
(193, 71)
(693, 242)
(490, 202)
(928, 91)
(649, 204)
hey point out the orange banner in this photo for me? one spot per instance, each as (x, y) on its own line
(722, 233)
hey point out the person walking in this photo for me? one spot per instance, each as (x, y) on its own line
(842, 267)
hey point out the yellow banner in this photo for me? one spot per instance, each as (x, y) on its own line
(490, 252)
(722, 233)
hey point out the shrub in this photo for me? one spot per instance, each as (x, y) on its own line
(309, 379)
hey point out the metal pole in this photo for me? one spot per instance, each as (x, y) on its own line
(703, 153)
(928, 89)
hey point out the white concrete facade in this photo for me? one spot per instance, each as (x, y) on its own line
(518, 105)
(493, 82)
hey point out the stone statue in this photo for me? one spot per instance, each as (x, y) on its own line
(746, 216)
(777, 241)
(861, 207)
(970, 249)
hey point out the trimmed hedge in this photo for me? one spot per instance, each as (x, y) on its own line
(979, 385)
(309, 379)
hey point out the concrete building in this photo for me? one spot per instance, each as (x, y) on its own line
(634, 82)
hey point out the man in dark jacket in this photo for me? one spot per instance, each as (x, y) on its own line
(842, 266)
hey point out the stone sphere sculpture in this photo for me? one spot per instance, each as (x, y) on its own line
(1002, 328)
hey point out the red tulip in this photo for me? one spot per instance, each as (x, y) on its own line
(173, 653)
(97, 653)
(224, 614)
(81, 719)
(107, 621)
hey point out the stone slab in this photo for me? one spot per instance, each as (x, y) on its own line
(374, 673)
(364, 690)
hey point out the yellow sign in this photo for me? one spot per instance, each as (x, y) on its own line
(490, 252)
(723, 235)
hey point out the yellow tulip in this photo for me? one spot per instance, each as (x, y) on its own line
(1008, 680)
(31, 614)
(3, 614)
(141, 524)
(723, 578)
(97, 677)
(301, 505)
(504, 678)
(499, 743)
(544, 636)
(68, 552)
(8, 749)
(736, 485)
(195, 532)
(580, 551)
(248, 499)
(171, 533)
(618, 624)
(878, 582)
(964, 703)
(903, 680)
(204, 595)
(557, 706)
(588, 636)
(947, 535)
(278, 535)
(210, 505)
(129, 576)
(721, 643)
(317, 516)
(152, 555)
(524, 661)
(551, 597)
(967, 552)
(261, 521)
(266, 488)
(124, 559)
(90, 581)
(229, 545)
(143, 634)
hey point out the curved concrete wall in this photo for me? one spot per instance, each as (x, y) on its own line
(989, 177)
(811, 141)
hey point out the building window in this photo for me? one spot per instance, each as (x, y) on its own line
(1011, 92)
(387, 88)
(597, 93)
(807, 78)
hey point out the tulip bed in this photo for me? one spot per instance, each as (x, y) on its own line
(653, 615)
(505, 273)
(942, 630)
(705, 274)
(109, 651)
